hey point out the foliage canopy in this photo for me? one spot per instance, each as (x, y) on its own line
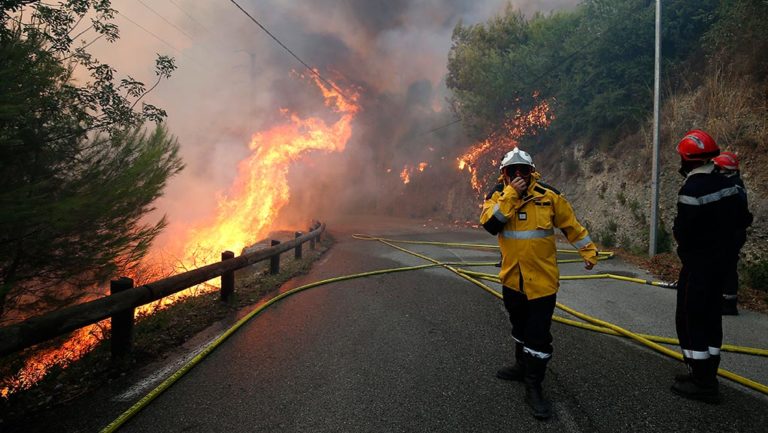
(78, 171)
(594, 63)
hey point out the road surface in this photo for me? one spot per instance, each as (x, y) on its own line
(417, 351)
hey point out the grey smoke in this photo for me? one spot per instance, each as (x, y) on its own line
(394, 51)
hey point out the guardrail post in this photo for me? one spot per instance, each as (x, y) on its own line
(274, 261)
(311, 241)
(227, 278)
(122, 322)
(297, 251)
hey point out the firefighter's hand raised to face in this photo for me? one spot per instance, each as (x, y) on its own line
(519, 185)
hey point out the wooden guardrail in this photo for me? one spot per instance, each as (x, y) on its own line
(124, 298)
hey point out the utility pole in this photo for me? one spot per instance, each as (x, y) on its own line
(656, 130)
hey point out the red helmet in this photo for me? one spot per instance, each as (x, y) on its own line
(697, 145)
(727, 161)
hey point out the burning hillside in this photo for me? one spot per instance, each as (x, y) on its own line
(481, 159)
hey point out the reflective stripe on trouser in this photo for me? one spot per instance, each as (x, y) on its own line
(694, 354)
(531, 321)
(698, 314)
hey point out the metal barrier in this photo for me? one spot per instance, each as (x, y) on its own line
(119, 305)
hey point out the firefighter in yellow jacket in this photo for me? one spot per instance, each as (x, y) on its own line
(524, 213)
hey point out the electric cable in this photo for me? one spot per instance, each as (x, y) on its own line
(160, 39)
(178, 6)
(309, 68)
(166, 20)
(168, 44)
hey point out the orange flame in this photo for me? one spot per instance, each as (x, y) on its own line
(261, 189)
(80, 343)
(244, 216)
(405, 175)
(486, 153)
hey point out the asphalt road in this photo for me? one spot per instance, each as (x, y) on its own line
(417, 352)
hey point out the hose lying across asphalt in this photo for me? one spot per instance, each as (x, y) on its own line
(592, 324)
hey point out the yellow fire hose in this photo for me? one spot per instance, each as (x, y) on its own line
(139, 405)
(725, 373)
(602, 255)
(597, 325)
(655, 338)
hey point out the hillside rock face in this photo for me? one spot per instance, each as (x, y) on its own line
(612, 195)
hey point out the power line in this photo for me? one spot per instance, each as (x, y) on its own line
(148, 32)
(158, 38)
(309, 68)
(455, 121)
(189, 15)
(164, 19)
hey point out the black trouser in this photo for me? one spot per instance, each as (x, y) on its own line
(731, 280)
(531, 320)
(699, 302)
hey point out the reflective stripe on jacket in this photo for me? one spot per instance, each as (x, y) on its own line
(712, 216)
(526, 232)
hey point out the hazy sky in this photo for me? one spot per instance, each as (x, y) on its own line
(233, 79)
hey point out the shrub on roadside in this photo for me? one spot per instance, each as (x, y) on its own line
(756, 275)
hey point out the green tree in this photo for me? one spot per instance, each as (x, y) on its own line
(78, 171)
(739, 36)
(594, 63)
(483, 74)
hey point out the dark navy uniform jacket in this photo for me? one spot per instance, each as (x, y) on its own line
(712, 215)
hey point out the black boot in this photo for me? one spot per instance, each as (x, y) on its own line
(514, 372)
(535, 368)
(714, 364)
(687, 376)
(701, 384)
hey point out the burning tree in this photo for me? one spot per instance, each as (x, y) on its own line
(77, 170)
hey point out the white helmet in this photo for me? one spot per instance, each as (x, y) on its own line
(517, 157)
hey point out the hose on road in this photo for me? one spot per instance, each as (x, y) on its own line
(599, 323)
(594, 324)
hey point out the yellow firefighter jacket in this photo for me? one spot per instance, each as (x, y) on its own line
(526, 230)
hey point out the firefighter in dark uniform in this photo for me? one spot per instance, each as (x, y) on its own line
(727, 163)
(711, 212)
(524, 216)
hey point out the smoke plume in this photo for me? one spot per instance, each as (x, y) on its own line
(233, 80)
